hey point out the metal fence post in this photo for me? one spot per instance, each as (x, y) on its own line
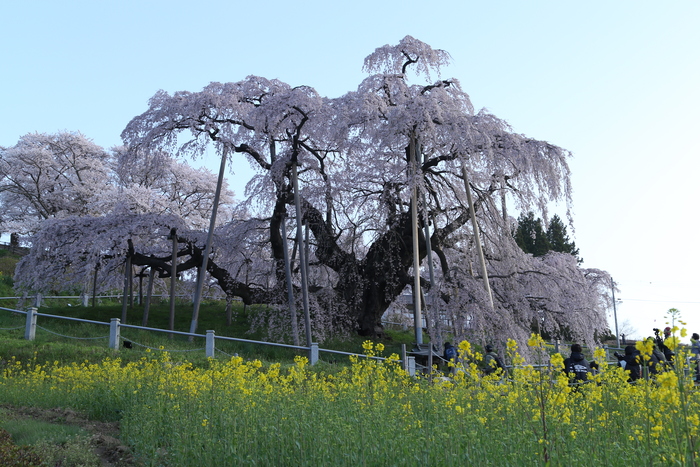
(430, 362)
(30, 329)
(411, 365)
(114, 333)
(37, 300)
(313, 353)
(210, 343)
(404, 363)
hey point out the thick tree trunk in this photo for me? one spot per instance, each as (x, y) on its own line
(369, 286)
(365, 287)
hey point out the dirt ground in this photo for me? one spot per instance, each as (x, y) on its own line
(104, 436)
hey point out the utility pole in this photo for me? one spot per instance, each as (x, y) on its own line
(617, 334)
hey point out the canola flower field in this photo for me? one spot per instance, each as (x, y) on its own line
(373, 413)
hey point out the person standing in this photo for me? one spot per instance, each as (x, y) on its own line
(492, 361)
(695, 350)
(656, 362)
(631, 362)
(576, 366)
(450, 356)
(668, 353)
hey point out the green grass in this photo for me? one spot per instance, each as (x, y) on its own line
(271, 412)
(57, 444)
(28, 432)
(56, 342)
(68, 341)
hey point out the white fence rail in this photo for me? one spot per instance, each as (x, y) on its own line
(115, 326)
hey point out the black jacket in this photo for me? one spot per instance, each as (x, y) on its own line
(631, 362)
(577, 366)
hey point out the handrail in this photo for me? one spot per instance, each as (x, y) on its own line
(70, 318)
(115, 326)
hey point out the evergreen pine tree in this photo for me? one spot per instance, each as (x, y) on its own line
(530, 235)
(559, 239)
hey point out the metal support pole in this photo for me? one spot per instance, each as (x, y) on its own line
(430, 361)
(417, 318)
(477, 239)
(207, 247)
(433, 323)
(127, 280)
(94, 285)
(404, 363)
(288, 276)
(302, 255)
(149, 295)
(287, 264)
(30, 328)
(173, 280)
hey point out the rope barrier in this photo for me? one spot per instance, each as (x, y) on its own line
(11, 329)
(227, 354)
(162, 350)
(72, 337)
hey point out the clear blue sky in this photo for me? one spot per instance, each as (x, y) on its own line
(616, 83)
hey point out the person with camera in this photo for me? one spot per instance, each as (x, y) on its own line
(656, 363)
(661, 344)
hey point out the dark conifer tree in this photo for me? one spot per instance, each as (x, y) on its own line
(559, 239)
(530, 235)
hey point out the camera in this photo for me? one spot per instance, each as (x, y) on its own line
(619, 356)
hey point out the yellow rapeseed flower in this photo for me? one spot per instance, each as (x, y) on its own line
(535, 340)
(645, 347)
(671, 342)
(465, 348)
(557, 361)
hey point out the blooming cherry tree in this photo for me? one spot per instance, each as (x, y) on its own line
(356, 182)
(49, 176)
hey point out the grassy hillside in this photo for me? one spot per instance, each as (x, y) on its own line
(8, 261)
(89, 341)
